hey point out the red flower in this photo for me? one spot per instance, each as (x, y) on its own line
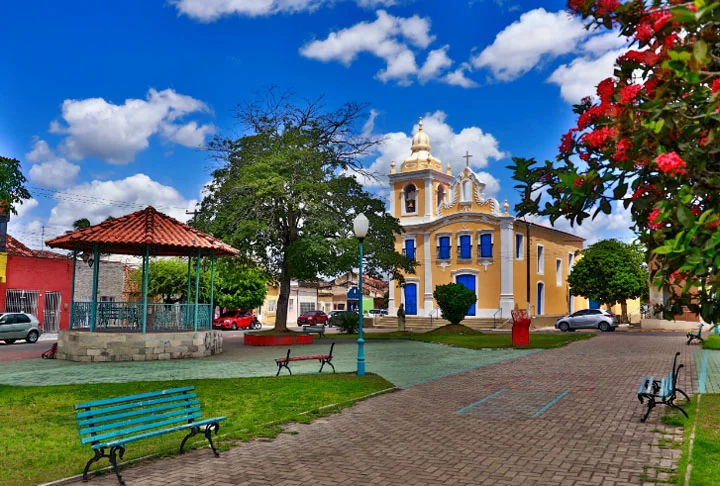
(696, 210)
(629, 93)
(577, 6)
(597, 138)
(652, 219)
(579, 181)
(642, 190)
(660, 18)
(605, 89)
(715, 85)
(671, 164)
(607, 6)
(566, 140)
(621, 150)
(644, 32)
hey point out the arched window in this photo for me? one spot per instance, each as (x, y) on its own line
(410, 198)
(540, 307)
(440, 195)
(466, 191)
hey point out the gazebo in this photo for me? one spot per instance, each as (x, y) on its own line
(122, 331)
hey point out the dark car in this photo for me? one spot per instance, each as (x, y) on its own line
(588, 319)
(312, 317)
(236, 320)
(335, 315)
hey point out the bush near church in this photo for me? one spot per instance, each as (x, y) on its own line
(347, 322)
(454, 301)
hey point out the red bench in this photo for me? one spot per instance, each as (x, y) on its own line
(322, 358)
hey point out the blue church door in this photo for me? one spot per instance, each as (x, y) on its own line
(469, 282)
(411, 299)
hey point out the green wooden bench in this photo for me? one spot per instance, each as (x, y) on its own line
(111, 423)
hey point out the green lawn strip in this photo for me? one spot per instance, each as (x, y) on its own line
(40, 440)
(471, 339)
(712, 342)
(706, 448)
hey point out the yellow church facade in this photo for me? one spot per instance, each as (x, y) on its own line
(459, 235)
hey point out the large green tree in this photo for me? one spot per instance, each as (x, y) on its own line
(648, 139)
(285, 194)
(610, 271)
(12, 185)
(238, 286)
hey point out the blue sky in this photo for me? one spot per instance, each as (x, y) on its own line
(108, 103)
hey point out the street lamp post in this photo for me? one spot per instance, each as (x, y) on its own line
(360, 227)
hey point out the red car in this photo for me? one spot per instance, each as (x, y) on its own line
(312, 317)
(236, 320)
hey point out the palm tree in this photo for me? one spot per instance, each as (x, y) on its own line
(81, 224)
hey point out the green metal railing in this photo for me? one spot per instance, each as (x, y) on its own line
(128, 316)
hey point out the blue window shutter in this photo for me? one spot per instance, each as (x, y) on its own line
(410, 249)
(486, 246)
(444, 247)
(465, 247)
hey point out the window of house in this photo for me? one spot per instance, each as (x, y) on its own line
(486, 245)
(540, 259)
(291, 305)
(107, 298)
(465, 246)
(558, 272)
(571, 262)
(272, 305)
(410, 198)
(519, 246)
(444, 248)
(306, 307)
(440, 195)
(410, 249)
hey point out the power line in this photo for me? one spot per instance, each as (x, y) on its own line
(81, 198)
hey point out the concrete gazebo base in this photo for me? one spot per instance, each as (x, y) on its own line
(82, 345)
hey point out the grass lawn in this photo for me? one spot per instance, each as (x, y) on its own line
(40, 442)
(705, 458)
(712, 342)
(464, 337)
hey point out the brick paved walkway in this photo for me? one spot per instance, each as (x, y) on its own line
(565, 416)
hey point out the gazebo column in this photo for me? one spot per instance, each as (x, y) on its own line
(197, 290)
(96, 274)
(72, 290)
(189, 290)
(212, 286)
(145, 284)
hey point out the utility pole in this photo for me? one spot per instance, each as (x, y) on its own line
(42, 237)
(527, 266)
(194, 215)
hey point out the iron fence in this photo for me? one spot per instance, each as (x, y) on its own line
(128, 316)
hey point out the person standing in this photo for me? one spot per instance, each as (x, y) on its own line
(401, 317)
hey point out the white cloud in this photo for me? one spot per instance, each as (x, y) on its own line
(581, 76)
(458, 78)
(97, 200)
(115, 133)
(389, 38)
(25, 207)
(50, 170)
(522, 45)
(600, 44)
(447, 145)
(210, 10)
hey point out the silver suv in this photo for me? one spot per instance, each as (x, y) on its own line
(18, 325)
(588, 319)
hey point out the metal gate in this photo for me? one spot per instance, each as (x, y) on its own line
(51, 311)
(22, 301)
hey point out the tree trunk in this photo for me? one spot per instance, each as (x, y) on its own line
(623, 311)
(283, 297)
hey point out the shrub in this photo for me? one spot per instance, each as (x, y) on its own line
(347, 322)
(454, 301)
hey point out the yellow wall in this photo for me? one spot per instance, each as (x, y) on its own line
(272, 294)
(3, 267)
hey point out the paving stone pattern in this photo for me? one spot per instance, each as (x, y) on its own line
(403, 363)
(416, 436)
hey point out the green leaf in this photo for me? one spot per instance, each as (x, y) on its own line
(685, 216)
(659, 125)
(700, 50)
(663, 250)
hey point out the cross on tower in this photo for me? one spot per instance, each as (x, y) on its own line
(467, 158)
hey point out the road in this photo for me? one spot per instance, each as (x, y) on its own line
(23, 350)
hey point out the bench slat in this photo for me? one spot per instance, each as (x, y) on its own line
(139, 420)
(134, 413)
(147, 435)
(139, 428)
(117, 408)
(111, 401)
(646, 385)
(303, 358)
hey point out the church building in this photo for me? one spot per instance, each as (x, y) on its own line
(458, 234)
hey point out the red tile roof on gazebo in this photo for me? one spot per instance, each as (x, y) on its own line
(131, 234)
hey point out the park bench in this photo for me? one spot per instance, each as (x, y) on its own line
(695, 336)
(111, 423)
(322, 358)
(663, 391)
(317, 328)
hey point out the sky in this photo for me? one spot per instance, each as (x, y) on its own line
(109, 104)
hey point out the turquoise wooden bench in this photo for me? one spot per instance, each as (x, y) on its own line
(111, 423)
(662, 392)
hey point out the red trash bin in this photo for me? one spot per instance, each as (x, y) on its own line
(521, 328)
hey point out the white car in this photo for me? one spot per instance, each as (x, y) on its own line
(378, 312)
(19, 325)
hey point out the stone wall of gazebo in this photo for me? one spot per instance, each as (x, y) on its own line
(82, 345)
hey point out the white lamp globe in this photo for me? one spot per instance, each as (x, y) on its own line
(360, 226)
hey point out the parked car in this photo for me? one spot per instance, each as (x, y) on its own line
(312, 317)
(242, 319)
(378, 312)
(588, 319)
(19, 325)
(334, 315)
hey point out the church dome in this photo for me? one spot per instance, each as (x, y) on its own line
(420, 156)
